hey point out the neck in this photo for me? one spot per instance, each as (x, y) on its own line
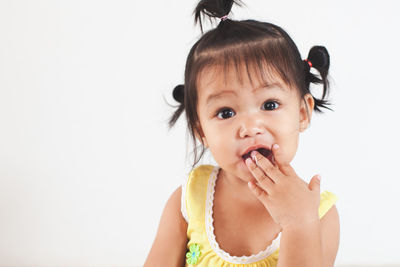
(238, 188)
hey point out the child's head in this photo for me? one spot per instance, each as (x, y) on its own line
(247, 85)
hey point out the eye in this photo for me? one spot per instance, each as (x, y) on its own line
(270, 105)
(225, 113)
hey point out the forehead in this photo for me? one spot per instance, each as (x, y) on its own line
(217, 78)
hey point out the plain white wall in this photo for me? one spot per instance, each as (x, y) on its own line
(87, 162)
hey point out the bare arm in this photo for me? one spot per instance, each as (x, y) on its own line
(312, 245)
(169, 246)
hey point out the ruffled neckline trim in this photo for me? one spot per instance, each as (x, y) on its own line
(209, 223)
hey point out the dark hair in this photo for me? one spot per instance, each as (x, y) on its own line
(263, 47)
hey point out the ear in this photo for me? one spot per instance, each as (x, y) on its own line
(306, 108)
(200, 135)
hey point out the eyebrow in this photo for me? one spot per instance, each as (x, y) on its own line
(215, 96)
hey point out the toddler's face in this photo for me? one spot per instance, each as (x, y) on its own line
(237, 117)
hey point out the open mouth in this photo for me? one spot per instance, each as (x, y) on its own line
(263, 151)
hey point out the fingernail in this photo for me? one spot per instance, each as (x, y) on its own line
(253, 155)
(248, 161)
(319, 177)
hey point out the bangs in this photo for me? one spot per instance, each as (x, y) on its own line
(258, 70)
(266, 60)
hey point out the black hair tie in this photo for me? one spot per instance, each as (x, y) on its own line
(178, 93)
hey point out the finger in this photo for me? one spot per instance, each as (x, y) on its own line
(258, 192)
(265, 165)
(282, 164)
(264, 181)
(315, 184)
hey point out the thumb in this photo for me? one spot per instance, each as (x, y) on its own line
(315, 183)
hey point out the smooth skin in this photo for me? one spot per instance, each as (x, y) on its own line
(293, 204)
(169, 246)
(290, 201)
(263, 199)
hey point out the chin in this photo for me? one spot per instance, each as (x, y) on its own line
(240, 171)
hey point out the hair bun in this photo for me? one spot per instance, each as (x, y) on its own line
(213, 9)
(319, 58)
(178, 93)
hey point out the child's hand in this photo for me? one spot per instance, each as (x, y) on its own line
(290, 201)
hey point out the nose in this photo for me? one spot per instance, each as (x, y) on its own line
(250, 127)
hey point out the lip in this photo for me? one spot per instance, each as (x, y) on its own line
(255, 147)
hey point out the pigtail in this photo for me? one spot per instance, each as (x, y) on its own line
(178, 95)
(214, 9)
(318, 58)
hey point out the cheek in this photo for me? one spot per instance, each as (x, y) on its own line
(288, 146)
(289, 139)
(292, 149)
(220, 141)
(221, 151)
(217, 140)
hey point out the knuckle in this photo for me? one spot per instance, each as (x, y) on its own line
(258, 157)
(266, 165)
(264, 196)
(267, 182)
(270, 168)
(259, 192)
(253, 167)
(263, 177)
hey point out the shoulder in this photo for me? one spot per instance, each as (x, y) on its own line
(172, 209)
(200, 174)
(201, 171)
(330, 234)
(169, 245)
(194, 186)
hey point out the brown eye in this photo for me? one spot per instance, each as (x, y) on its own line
(270, 105)
(225, 113)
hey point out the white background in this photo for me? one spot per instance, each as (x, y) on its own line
(86, 159)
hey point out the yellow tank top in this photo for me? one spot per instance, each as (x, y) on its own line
(203, 250)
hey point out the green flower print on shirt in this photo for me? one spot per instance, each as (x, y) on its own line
(194, 253)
